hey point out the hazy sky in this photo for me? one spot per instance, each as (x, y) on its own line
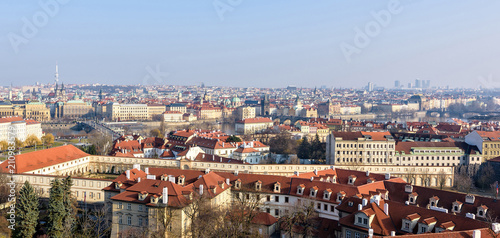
(251, 43)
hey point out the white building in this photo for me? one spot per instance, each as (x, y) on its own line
(253, 125)
(21, 128)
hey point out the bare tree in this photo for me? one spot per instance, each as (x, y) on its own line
(161, 226)
(302, 217)
(96, 223)
(441, 178)
(102, 142)
(411, 176)
(463, 181)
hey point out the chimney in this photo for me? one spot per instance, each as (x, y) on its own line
(136, 166)
(207, 171)
(128, 174)
(364, 202)
(296, 173)
(370, 233)
(227, 181)
(201, 189)
(139, 179)
(386, 209)
(312, 178)
(315, 171)
(393, 233)
(476, 234)
(407, 203)
(367, 173)
(165, 195)
(360, 207)
(236, 172)
(332, 167)
(146, 170)
(387, 176)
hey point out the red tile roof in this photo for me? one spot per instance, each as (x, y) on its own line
(43, 158)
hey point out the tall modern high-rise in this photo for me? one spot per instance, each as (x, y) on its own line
(397, 84)
(370, 86)
(418, 83)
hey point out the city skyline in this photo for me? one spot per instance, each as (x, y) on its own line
(251, 44)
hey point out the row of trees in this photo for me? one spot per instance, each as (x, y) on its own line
(31, 140)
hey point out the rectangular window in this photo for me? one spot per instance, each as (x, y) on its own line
(129, 206)
(129, 220)
(286, 199)
(356, 235)
(140, 221)
(347, 234)
(277, 198)
(120, 205)
(120, 220)
(276, 212)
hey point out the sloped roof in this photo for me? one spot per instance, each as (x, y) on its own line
(43, 158)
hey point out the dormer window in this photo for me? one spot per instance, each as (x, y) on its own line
(340, 196)
(143, 195)
(371, 180)
(181, 180)
(481, 211)
(164, 177)
(412, 198)
(237, 184)
(456, 206)
(408, 188)
(154, 198)
(214, 189)
(334, 179)
(427, 225)
(327, 194)
(361, 220)
(352, 179)
(470, 198)
(433, 201)
(118, 185)
(313, 192)
(449, 225)
(300, 189)
(277, 187)
(409, 222)
(258, 185)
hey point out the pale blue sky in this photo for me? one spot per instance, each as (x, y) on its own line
(257, 44)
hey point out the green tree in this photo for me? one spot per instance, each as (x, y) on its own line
(26, 212)
(233, 138)
(90, 150)
(56, 210)
(69, 206)
(304, 151)
(318, 150)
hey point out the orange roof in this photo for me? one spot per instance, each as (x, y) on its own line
(43, 158)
